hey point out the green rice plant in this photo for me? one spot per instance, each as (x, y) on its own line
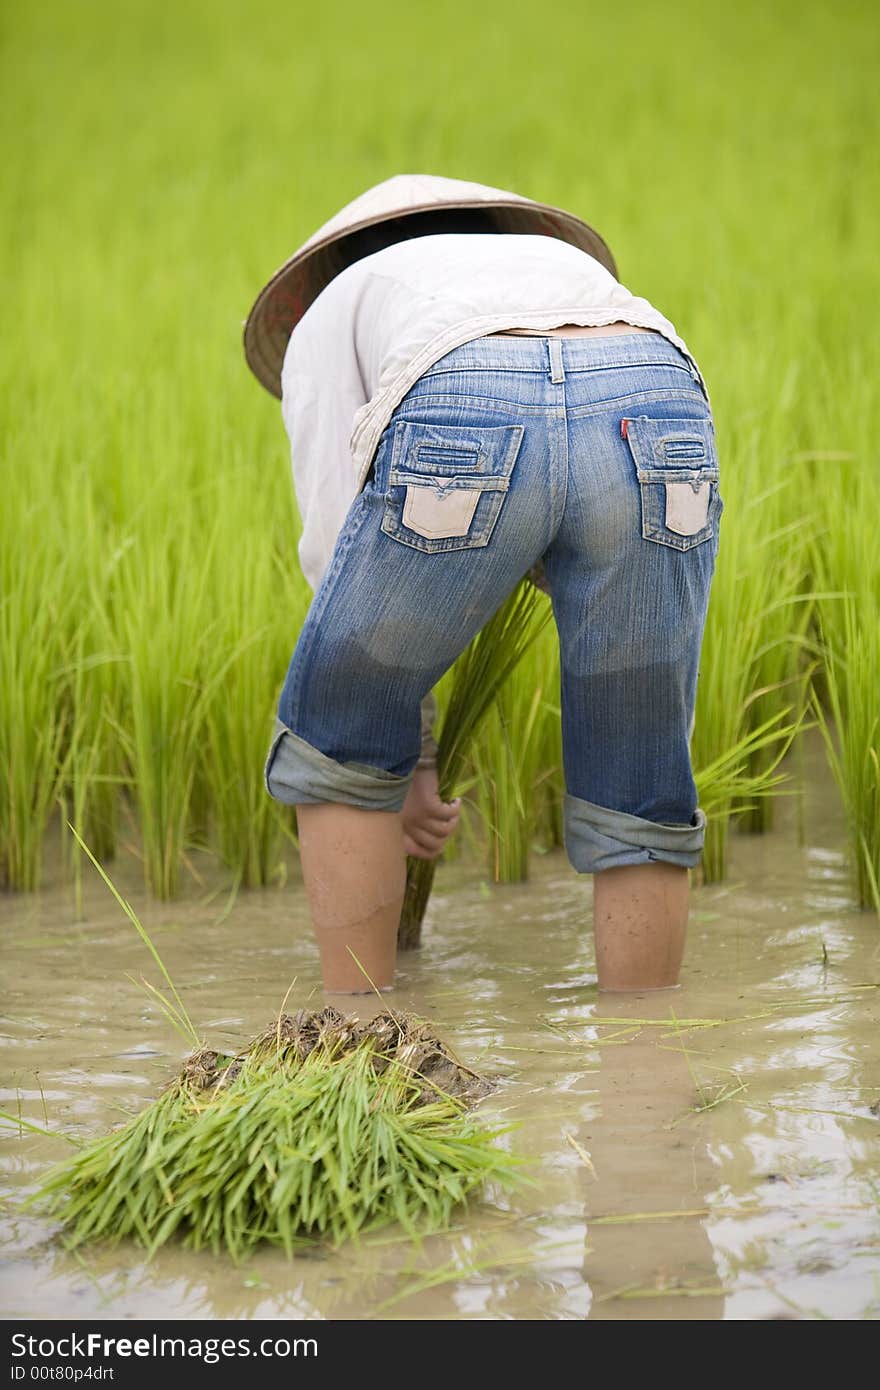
(508, 762)
(130, 427)
(777, 474)
(847, 564)
(783, 663)
(37, 628)
(727, 786)
(478, 677)
(550, 791)
(95, 771)
(175, 662)
(851, 729)
(90, 798)
(755, 629)
(260, 607)
(320, 1129)
(164, 635)
(171, 1004)
(245, 824)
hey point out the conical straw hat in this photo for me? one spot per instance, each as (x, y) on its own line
(283, 301)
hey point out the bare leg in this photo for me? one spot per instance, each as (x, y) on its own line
(640, 918)
(354, 868)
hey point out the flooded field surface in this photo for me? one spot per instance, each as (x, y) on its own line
(709, 1152)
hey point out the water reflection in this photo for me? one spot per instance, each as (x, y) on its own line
(779, 1167)
(643, 1154)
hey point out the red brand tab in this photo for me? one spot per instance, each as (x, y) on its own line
(624, 428)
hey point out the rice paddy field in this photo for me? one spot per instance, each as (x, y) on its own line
(718, 1156)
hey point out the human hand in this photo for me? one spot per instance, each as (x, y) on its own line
(428, 822)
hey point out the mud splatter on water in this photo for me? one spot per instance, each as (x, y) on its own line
(709, 1152)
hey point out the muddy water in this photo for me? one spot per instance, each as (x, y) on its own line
(710, 1152)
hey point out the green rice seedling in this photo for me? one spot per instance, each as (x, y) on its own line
(95, 771)
(708, 1095)
(783, 663)
(166, 632)
(550, 792)
(758, 631)
(479, 675)
(175, 663)
(320, 1129)
(517, 763)
(171, 1004)
(845, 695)
(851, 729)
(244, 823)
(755, 587)
(90, 801)
(727, 787)
(37, 629)
(513, 791)
(506, 758)
(260, 607)
(711, 1094)
(129, 423)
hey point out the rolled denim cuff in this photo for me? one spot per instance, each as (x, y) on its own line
(598, 838)
(300, 775)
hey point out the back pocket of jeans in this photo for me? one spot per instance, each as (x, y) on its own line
(447, 484)
(677, 467)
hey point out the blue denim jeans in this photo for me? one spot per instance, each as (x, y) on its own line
(595, 455)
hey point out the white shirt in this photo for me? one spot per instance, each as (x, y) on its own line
(382, 322)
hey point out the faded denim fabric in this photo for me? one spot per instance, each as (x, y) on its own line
(593, 455)
(389, 318)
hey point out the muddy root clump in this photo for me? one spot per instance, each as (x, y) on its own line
(391, 1037)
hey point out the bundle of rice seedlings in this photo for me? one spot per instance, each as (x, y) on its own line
(319, 1129)
(479, 675)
